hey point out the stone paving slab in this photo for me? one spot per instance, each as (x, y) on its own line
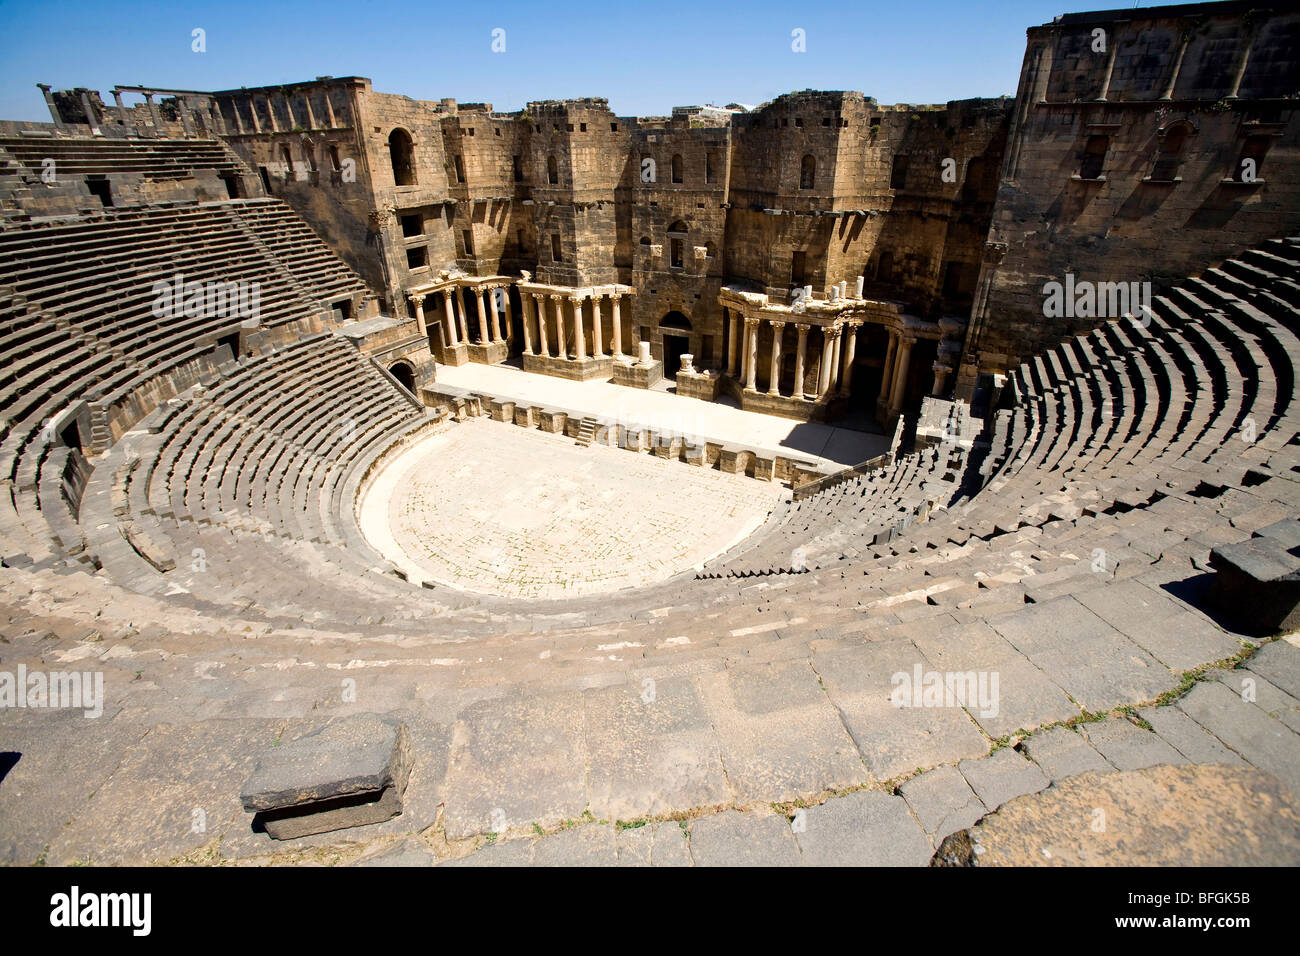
(1187, 736)
(1127, 746)
(1277, 703)
(867, 828)
(651, 750)
(894, 740)
(1263, 741)
(1174, 635)
(781, 737)
(409, 851)
(663, 843)
(590, 845)
(173, 781)
(1091, 661)
(497, 744)
(1002, 776)
(1158, 816)
(743, 839)
(63, 759)
(1027, 697)
(943, 802)
(1062, 752)
(1279, 663)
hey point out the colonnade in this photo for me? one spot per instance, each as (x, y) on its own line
(576, 320)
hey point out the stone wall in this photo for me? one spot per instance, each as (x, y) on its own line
(1169, 104)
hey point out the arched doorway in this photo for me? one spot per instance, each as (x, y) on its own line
(405, 375)
(401, 153)
(675, 330)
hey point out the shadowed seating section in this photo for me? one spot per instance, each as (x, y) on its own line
(80, 323)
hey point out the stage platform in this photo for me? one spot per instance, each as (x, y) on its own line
(826, 446)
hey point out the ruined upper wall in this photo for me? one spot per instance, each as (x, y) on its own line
(1125, 159)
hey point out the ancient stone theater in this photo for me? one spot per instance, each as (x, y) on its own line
(821, 481)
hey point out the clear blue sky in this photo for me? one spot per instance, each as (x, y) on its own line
(645, 57)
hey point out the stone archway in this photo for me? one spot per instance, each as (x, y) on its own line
(405, 374)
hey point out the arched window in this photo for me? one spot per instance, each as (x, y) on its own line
(1094, 157)
(402, 155)
(677, 168)
(552, 171)
(1169, 155)
(808, 172)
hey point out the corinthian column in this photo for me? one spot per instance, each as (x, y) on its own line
(774, 375)
(751, 352)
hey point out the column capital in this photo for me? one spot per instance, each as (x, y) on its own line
(777, 323)
(417, 299)
(803, 327)
(751, 321)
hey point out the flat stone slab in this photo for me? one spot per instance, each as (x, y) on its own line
(943, 801)
(781, 738)
(351, 772)
(867, 828)
(1158, 816)
(1174, 635)
(655, 844)
(1002, 776)
(894, 740)
(1127, 746)
(497, 744)
(1089, 659)
(743, 839)
(651, 750)
(1062, 752)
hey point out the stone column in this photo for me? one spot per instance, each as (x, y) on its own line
(799, 359)
(1113, 41)
(153, 111)
(774, 374)
(509, 319)
(824, 373)
(528, 332)
(887, 370)
(559, 326)
(484, 336)
(1240, 71)
(252, 112)
(618, 328)
(494, 317)
(460, 312)
(751, 352)
(418, 302)
(846, 369)
(733, 346)
(1183, 40)
(579, 336)
(450, 316)
(597, 335)
(905, 344)
(329, 109)
(539, 307)
(121, 110)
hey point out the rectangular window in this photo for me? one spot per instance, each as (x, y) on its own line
(555, 247)
(468, 237)
(799, 269)
(412, 224)
(898, 175)
(417, 258)
(518, 168)
(460, 169)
